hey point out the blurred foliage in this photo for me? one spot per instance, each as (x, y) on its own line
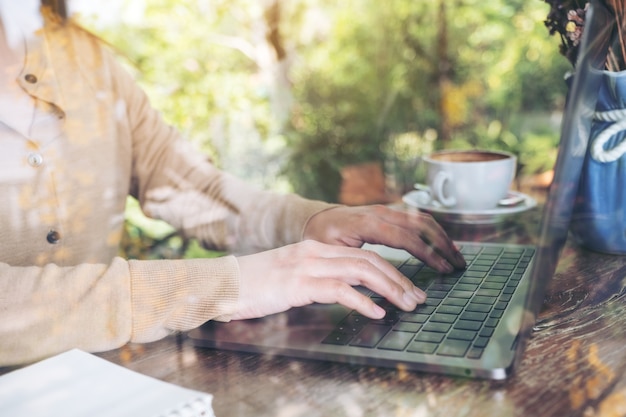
(146, 238)
(286, 93)
(478, 74)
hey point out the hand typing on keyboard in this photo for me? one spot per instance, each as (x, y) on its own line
(418, 233)
(460, 316)
(325, 267)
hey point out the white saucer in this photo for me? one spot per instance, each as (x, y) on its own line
(450, 215)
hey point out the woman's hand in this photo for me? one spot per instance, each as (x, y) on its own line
(418, 233)
(309, 271)
(325, 267)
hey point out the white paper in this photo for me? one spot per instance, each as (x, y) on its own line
(78, 384)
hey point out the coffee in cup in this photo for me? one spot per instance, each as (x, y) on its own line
(469, 180)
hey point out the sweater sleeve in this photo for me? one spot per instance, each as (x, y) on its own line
(96, 307)
(175, 182)
(180, 295)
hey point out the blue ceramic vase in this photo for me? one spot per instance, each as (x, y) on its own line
(599, 213)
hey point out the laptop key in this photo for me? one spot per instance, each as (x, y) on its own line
(440, 286)
(473, 316)
(457, 273)
(436, 294)
(396, 341)
(501, 273)
(449, 309)
(508, 289)
(461, 294)
(459, 302)
(452, 347)
(407, 327)
(470, 250)
(488, 293)
(480, 268)
(370, 335)
(424, 309)
(500, 305)
(352, 324)
(466, 287)
(462, 334)
(491, 322)
(496, 278)
(337, 338)
(443, 318)
(493, 285)
(505, 297)
(486, 332)
(473, 277)
(479, 308)
(483, 261)
(409, 270)
(471, 280)
(430, 337)
(468, 325)
(414, 318)
(496, 314)
(492, 250)
(448, 280)
(481, 342)
(437, 327)
(475, 353)
(483, 299)
(422, 347)
(433, 302)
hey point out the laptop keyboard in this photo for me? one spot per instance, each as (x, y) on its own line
(461, 312)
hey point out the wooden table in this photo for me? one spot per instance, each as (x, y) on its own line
(574, 364)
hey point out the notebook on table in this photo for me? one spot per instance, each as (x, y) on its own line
(78, 384)
(475, 322)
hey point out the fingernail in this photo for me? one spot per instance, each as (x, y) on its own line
(446, 266)
(460, 258)
(379, 312)
(421, 295)
(409, 299)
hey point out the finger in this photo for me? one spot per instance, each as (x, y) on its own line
(419, 244)
(423, 237)
(389, 284)
(347, 253)
(442, 245)
(361, 260)
(328, 291)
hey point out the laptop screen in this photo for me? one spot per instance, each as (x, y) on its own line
(575, 129)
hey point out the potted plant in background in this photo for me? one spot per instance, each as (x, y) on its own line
(333, 134)
(599, 212)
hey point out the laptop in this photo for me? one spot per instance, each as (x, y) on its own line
(475, 322)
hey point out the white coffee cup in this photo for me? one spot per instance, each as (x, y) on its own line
(469, 180)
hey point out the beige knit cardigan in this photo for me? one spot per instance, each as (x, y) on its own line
(65, 173)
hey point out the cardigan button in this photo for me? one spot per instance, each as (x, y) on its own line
(30, 78)
(35, 159)
(53, 237)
